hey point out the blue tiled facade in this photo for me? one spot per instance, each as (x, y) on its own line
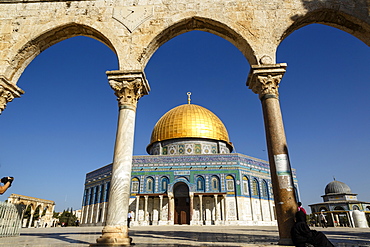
(230, 175)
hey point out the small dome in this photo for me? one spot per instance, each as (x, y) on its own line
(336, 187)
(189, 121)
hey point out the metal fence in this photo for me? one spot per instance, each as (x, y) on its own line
(10, 219)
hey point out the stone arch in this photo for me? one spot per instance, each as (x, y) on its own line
(36, 45)
(182, 203)
(323, 209)
(339, 208)
(334, 18)
(201, 24)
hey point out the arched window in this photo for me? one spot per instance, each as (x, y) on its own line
(230, 183)
(149, 185)
(245, 185)
(255, 188)
(200, 183)
(215, 183)
(264, 190)
(135, 182)
(339, 208)
(164, 184)
(323, 209)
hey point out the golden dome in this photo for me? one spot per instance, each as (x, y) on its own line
(189, 121)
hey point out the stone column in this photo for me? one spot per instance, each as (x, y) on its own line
(137, 208)
(191, 195)
(8, 91)
(225, 206)
(337, 220)
(31, 218)
(171, 208)
(201, 209)
(264, 80)
(129, 87)
(104, 208)
(222, 202)
(145, 208)
(216, 211)
(160, 207)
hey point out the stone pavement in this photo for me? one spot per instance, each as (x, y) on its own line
(168, 236)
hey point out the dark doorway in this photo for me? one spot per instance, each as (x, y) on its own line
(182, 204)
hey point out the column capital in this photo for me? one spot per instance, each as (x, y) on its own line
(8, 92)
(264, 80)
(128, 86)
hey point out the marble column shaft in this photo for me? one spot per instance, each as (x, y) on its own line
(171, 208)
(216, 211)
(191, 205)
(129, 86)
(137, 208)
(160, 207)
(201, 208)
(146, 207)
(264, 80)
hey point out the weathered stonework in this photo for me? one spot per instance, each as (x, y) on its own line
(129, 87)
(265, 79)
(134, 30)
(8, 92)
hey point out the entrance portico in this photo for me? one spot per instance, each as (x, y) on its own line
(183, 205)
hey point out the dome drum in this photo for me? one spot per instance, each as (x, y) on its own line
(188, 146)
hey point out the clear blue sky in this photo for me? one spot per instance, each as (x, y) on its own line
(64, 125)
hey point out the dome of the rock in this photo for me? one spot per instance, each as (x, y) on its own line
(189, 121)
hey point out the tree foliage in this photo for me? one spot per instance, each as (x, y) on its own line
(68, 218)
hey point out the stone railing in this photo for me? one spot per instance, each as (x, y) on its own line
(10, 219)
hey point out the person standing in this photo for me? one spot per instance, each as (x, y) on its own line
(129, 217)
(323, 220)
